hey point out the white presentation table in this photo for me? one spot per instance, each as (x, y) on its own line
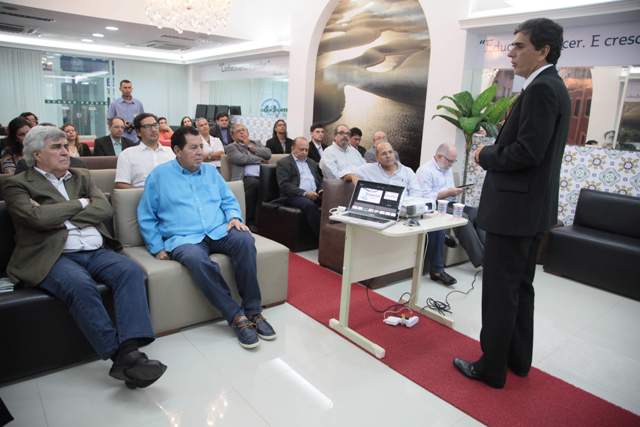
(371, 253)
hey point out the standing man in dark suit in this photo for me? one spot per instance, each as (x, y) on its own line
(64, 248)
(114, 143)
(316, 145)
(519, 202)
(300, 182)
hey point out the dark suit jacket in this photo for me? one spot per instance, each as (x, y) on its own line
(289, 177)
(520, 192)
(75, 162)
(215, 131)
(276, 148)
(40, 231)
(104, 147)
(314, 154)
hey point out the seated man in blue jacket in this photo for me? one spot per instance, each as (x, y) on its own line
(187, 211)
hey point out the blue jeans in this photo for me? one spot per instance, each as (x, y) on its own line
(435, 251)
(73, 279)
(240, 247)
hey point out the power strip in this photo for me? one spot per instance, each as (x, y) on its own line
(409, 322)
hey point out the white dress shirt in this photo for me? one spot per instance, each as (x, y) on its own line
(318, 147)
(533, 75)
(136, 163)
(432, 179)
(337, 162)
(211, 146)
(403, 177)
(307, 181)
(78, 239)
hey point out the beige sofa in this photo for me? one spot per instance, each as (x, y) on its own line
(104, 179)
(175, 301)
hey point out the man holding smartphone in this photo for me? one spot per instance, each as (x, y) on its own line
(435, 177)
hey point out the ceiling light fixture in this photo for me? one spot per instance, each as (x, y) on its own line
(202, 16)
(87, 40)
(111, 28)
(98, 35)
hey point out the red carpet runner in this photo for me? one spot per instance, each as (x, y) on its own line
(424, 355)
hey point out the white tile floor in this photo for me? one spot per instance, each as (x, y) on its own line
(310, 376)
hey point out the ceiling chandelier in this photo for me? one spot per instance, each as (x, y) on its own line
(202, 16)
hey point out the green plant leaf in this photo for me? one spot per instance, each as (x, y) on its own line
(496, 112)
(465, 101)
(483, 100)
(451, 120)
(492, 130)
(455, 102)
(452, 110)
(470, 125)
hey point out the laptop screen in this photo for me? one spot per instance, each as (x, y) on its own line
(382, 200)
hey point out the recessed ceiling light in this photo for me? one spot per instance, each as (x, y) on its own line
(87, 40)
(97, 35)
(111, 28)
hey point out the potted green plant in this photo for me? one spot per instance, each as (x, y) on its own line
(470, 115)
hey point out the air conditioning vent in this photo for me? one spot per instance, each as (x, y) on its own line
(187, 39)
(16, 29)
(158, 44)
(20, 15)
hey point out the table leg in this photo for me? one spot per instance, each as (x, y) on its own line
(415, 287)
(342, 326)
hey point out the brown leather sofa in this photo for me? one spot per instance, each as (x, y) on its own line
(100, 162)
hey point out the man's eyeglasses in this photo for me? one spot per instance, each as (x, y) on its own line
(449, 160)
(343, 133)
(150, 126)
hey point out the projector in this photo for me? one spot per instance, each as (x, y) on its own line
(411, 207)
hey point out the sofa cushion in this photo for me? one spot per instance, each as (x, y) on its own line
(125, 205)
(615, 213)
(104, 179)
(175, 301)
(605, 260)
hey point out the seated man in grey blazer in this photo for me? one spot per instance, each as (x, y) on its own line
(300, 182)
(64, 248)
(245, 157)
(114, 143)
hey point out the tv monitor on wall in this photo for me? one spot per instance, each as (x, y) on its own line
(221, 109)
(235, 110)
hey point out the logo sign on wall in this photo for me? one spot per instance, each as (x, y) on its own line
(271, 107)
(583, 46)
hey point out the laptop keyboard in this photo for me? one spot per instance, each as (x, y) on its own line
(368, 218)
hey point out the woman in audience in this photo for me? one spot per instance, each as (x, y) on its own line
(165, 131)
(186, 121)
(12, 151)
(280, 143)
(75, 147)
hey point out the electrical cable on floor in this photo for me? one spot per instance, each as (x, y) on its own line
(445, 307)
(400, 304)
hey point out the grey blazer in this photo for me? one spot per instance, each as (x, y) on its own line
(240, 156)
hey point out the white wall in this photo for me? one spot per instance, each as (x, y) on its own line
(604, 101)
(448, 47)
(162, 88)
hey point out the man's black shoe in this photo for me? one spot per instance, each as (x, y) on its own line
(469, 370)
(450, 241)
(443, 278)
(136, 369)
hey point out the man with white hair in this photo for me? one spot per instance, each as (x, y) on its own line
(65, 249)
(436, 180)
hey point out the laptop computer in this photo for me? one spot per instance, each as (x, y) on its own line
(374, 205)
